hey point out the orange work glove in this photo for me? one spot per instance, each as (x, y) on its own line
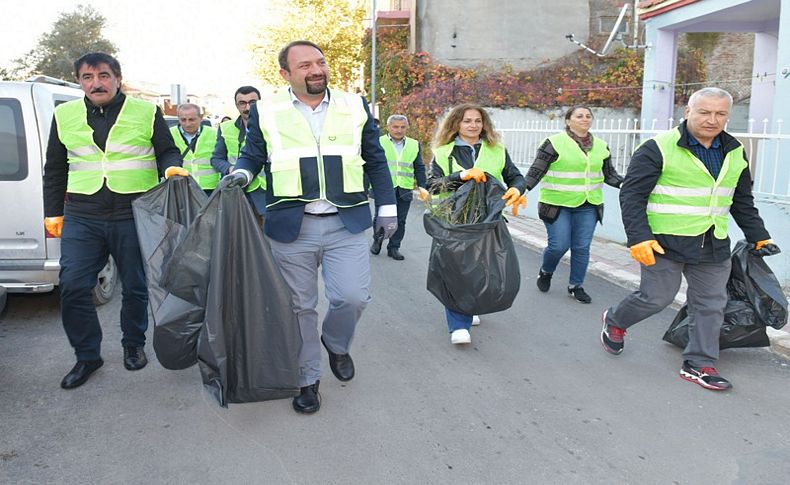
(521, 202)
(760, 244)
(514, 198)
(643, 252)
(766, 248)
(176, 171)
(54, 225)
(473, 173)
(511, 196)
(423, 194)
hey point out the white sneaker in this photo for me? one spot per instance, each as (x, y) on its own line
(460, 336)
(475, 320)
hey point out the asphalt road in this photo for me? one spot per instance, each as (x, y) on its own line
(534, 399)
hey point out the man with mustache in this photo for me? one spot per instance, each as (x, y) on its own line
(104, 151)
(681, 188)
(314, 146)
(231, 136)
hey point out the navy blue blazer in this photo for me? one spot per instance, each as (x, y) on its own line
(283, 223)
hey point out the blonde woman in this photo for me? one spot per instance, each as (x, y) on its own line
(466, 147)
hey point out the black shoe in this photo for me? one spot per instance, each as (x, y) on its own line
(375, 248)
(706, 377)
(544, 281)
(341, 364)
(80, 373)
(395, 254)
(308, 401)
(134, 357)
(578, 294)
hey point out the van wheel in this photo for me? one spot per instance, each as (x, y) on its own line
(105, 287)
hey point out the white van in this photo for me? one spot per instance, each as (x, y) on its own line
(29, 257)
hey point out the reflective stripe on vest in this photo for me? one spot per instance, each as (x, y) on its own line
(198, 162)
(575, 177)
(290, 144)
(686, 200)
(401, 163)
(230, 134)
(490, 159)
(127, 165)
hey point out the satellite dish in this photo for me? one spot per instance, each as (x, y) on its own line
(612, 36)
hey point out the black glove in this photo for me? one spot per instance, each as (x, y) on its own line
(385, 226)
(233, 179)
(769, 249)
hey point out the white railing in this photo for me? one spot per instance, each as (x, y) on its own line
(766, 150)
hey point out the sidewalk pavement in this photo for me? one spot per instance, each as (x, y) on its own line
(612, 261)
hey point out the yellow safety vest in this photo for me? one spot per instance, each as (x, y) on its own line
(230, 134)
(305, 169)
(687, 200)
(490, 159)
(127, 163)
(401, 164)
(198, 162)
(575, 177)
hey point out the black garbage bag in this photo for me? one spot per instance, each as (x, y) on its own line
(162, 216)
(473, 267)
(248, 350)
(754, 301)
(737, 331)
(753, 281)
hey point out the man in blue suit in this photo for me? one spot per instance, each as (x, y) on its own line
(314, 146)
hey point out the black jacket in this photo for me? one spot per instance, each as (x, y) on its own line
(104, 204)
(546, 156)
(643, 172)
(219, 158)
(438, 181)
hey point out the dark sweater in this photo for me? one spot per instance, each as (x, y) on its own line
(104, 204)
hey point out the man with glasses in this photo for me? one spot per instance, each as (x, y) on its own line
(231, 137)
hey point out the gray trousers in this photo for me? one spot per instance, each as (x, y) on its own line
(345, 267)
(706, 298)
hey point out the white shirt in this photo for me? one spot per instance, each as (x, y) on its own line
(315, 118)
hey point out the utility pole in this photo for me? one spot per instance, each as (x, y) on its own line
(373, 62)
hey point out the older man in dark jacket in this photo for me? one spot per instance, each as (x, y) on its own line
(681, 187)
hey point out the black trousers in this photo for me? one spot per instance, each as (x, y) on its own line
(403, 198)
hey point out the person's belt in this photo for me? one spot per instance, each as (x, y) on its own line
(323, 214)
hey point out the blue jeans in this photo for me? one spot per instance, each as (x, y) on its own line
(573, 229)
(457, 321)
(84, 249)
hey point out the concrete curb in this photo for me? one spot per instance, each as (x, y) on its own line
(524, 230)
